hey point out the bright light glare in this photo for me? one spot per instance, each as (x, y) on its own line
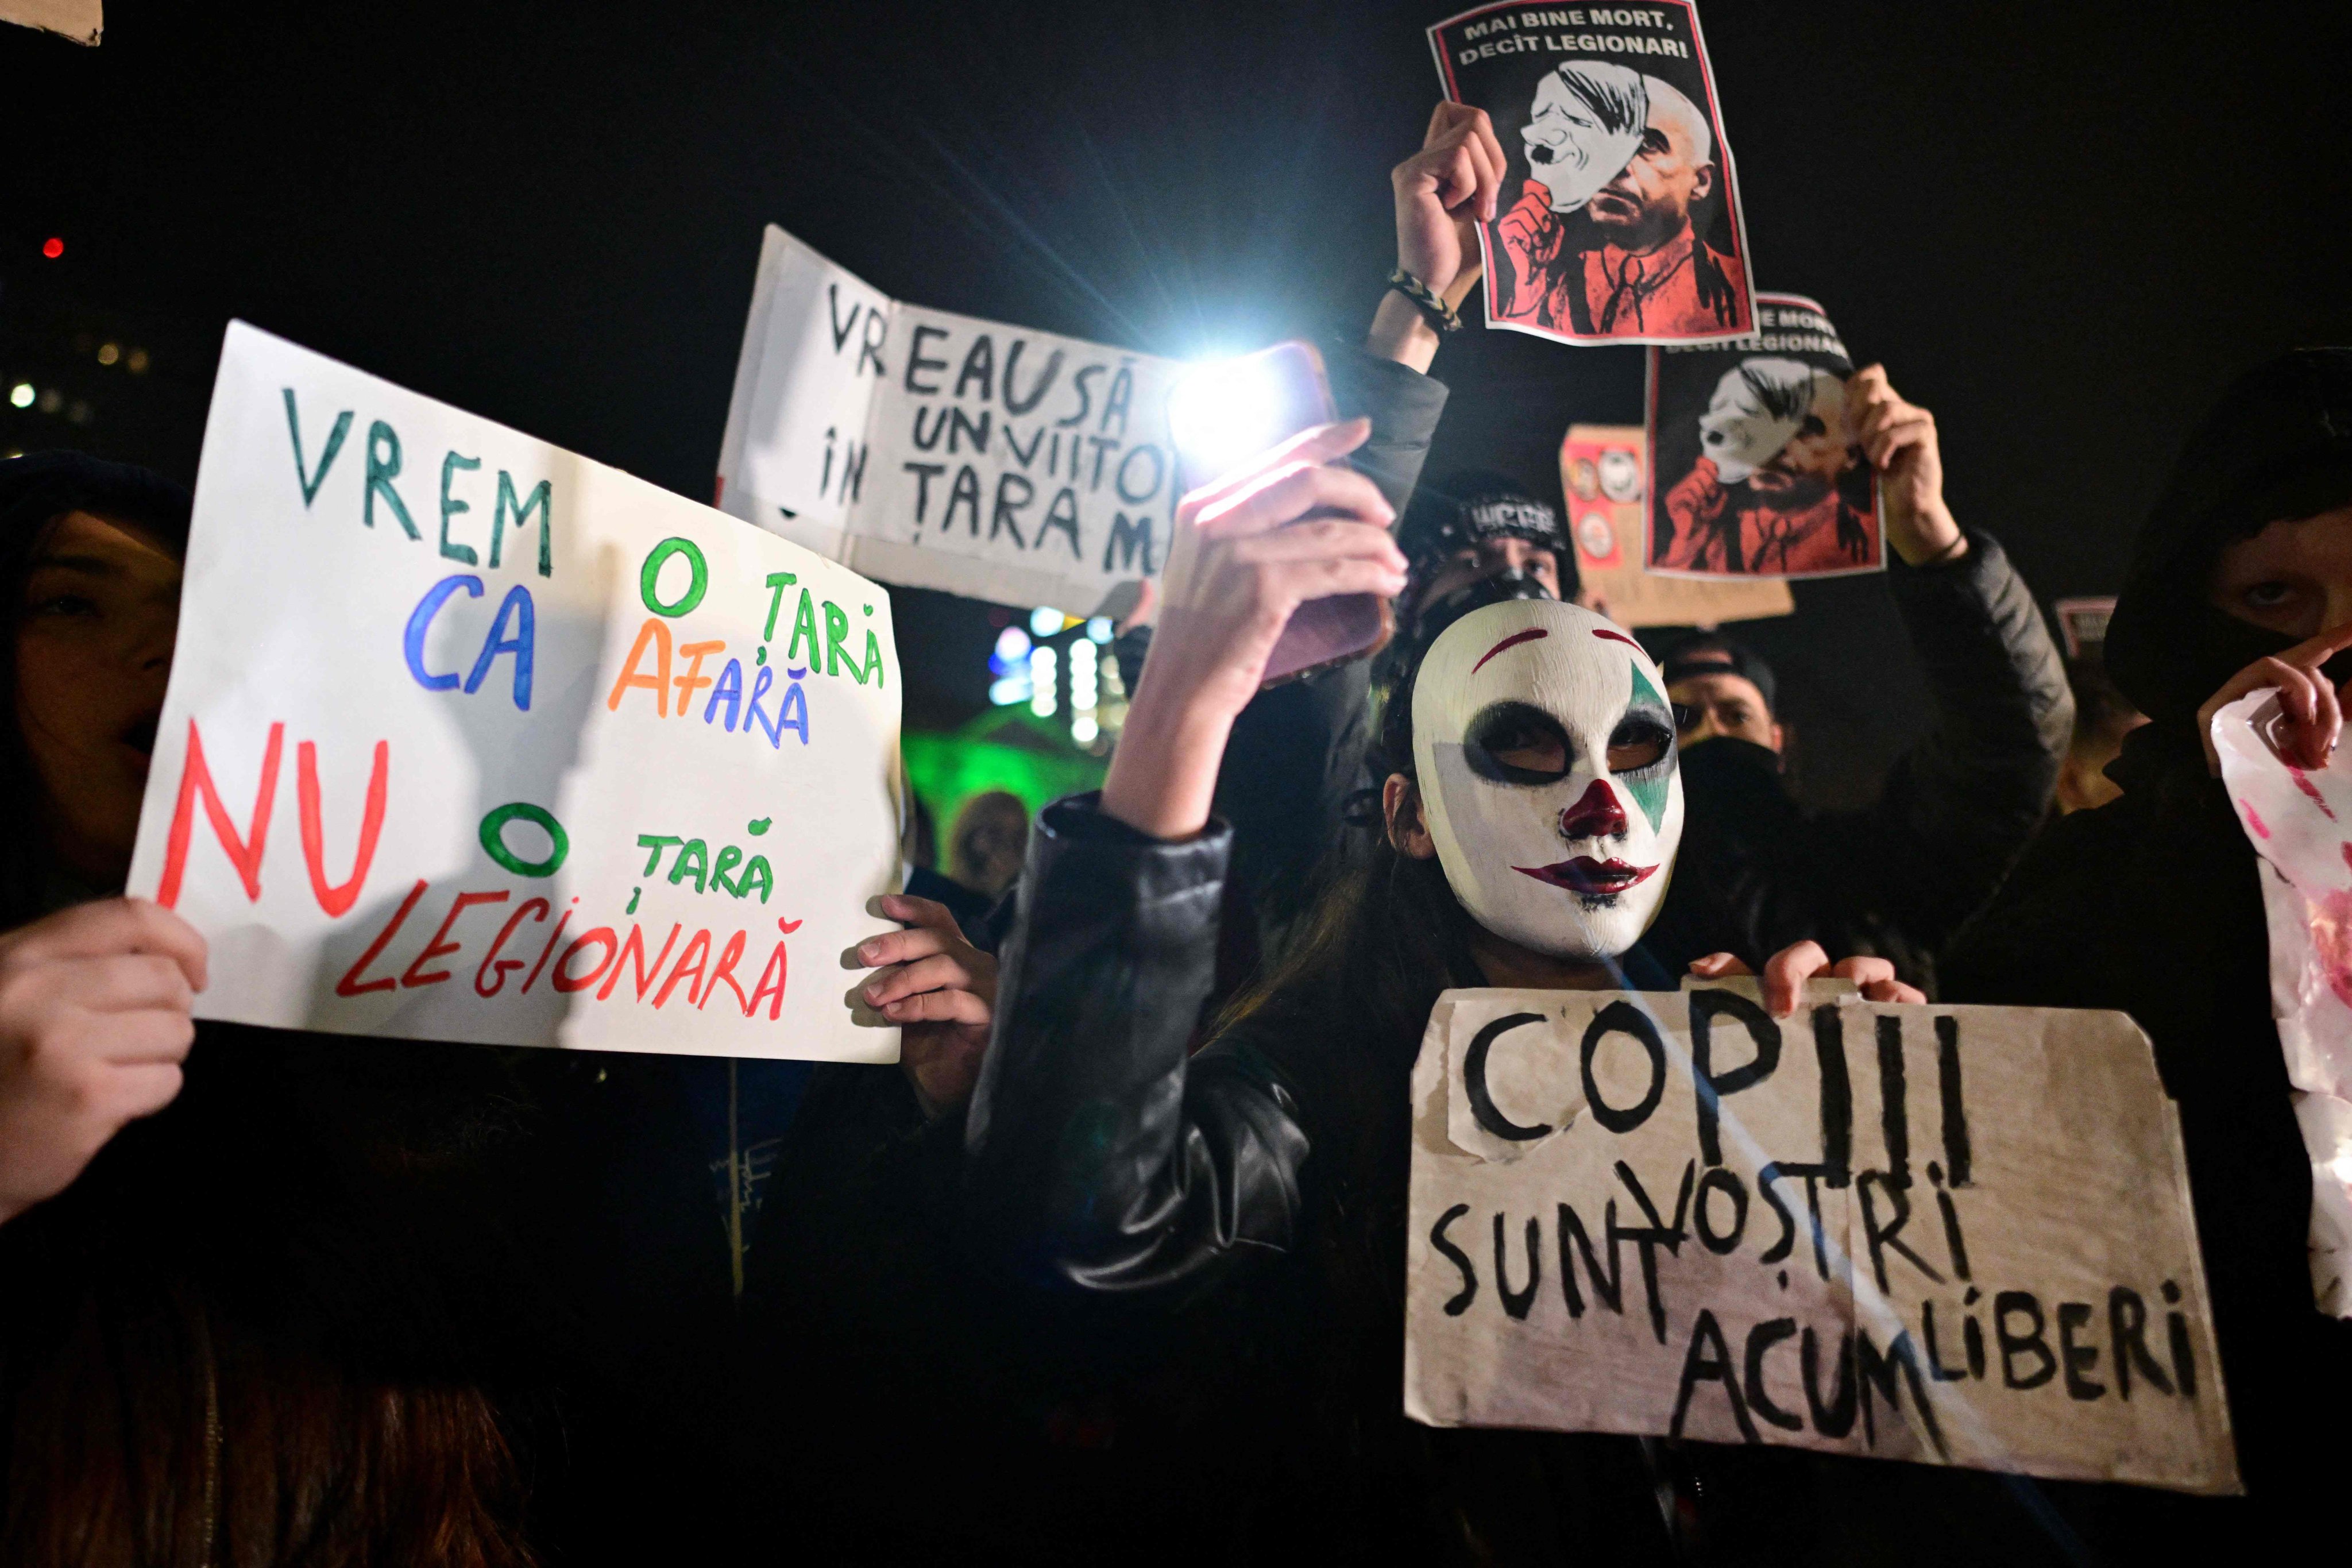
(21, 395)
(1011, 643)
(1044, 622)
(1083, 729)
(1012, 688)
(1221, 416)
(1099, 630)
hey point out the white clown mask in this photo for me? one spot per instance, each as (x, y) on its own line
(1545, 752)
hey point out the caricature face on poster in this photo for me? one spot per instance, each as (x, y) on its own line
(1620, 221)
(1755, 470)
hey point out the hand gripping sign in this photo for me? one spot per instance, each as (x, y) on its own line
(1958, 1236)
(2300, 822)
(941, 451)
(471, 739)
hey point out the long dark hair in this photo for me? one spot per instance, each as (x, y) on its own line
(1386, 933)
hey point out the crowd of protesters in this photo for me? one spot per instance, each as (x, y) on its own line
(1113, 1269)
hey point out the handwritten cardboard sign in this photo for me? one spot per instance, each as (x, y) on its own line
(2300, 823)
(941, 451)
(471, 739)
(1959, 1235)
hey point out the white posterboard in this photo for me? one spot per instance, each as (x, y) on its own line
(1958, 1236)
(941, 451)
(469, 737)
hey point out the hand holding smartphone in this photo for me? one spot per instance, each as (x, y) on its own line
(1225, 416)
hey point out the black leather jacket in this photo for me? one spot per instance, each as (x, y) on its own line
(1254, 1196)
(1898, 878)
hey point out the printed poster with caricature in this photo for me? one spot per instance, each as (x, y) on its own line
(1754, 468)
(1619, 220)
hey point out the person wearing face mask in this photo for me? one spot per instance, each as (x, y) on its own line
(1897, 876)
(1531, 825)
(2152, 904)
(1474, 537)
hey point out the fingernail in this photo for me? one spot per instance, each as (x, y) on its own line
(865, 950)
(871, 993)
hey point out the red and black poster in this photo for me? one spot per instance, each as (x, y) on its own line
(1619, 219)
(1754, 470)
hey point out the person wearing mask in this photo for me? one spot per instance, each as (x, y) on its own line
(1898, 876)
(2152, 904)
(1259, 1184)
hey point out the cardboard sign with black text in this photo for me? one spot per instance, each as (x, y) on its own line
(1958, 1235)
(942, 451)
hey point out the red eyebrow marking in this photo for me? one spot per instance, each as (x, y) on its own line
(1512, 641)
(1615, 636)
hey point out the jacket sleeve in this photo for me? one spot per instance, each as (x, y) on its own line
(1295, 750)
(1961, 804)
(1096, 1157)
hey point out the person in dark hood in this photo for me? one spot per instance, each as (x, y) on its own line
(2151, 904)
(1898, 876)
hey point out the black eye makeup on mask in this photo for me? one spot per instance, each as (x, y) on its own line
(1514, 742)
(1643, 742)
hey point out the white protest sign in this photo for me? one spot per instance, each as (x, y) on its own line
(471, 739)
(941, 451)
(1954, 1234)
(2297, 819)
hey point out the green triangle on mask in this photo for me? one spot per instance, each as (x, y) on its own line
(1650, 795)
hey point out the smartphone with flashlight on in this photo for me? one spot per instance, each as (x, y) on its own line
(1224, 417)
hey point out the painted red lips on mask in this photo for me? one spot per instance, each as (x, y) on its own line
(1597, 815)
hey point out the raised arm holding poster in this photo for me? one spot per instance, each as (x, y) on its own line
(942, 451)
(471, 739)
(1756, 470)
(1620, 217)
(1959, 1235)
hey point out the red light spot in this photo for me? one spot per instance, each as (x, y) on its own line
(53, 247)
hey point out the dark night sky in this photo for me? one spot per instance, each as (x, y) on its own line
(2061, 227)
